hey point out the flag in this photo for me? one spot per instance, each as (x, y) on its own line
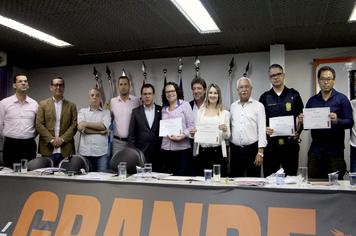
(228, 95)
(165, 77)
(111, 84)
(247, 70)
(180, 68)
(96, 77)
(197, 68)
(144, 73)
(98, 85)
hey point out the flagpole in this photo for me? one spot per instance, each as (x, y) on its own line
(111, 86)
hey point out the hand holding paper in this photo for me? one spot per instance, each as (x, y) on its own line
(282, 125)
(170, 127)
(316, 118)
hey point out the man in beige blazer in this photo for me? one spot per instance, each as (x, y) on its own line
(56, 123)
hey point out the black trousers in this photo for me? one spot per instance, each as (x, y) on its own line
(178, 162)
(321, 164)
(16, 149)
(242, 161)
(285, 155)
(208, 157)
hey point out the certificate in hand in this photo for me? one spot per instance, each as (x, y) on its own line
(282, 125)
(316, 118)
(207, 134)
(170, 127)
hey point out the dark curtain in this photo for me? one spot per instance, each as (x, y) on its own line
(4, 76)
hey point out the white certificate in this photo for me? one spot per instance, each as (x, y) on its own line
(282, 125)
(207, 134)
(170, 127)
(317, 118)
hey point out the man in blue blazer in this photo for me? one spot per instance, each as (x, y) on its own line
(144, 127)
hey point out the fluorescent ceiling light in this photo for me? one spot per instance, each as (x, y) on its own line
(32, 32)
(198, 16)
(353, 14)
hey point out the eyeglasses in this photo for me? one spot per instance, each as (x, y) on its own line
(170, 91)
(276, 75)
(328, 79)
(57, 85)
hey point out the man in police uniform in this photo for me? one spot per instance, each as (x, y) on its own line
(281, 151)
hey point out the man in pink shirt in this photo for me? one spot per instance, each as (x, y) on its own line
(121, 109)
(17, 123)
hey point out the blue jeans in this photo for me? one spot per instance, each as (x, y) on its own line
(99, 163)
(352, 158)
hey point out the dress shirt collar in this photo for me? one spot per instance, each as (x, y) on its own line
(99, 109)
(249, 101)
(16, 100)
(149, 108)
(55, 101)
(121, 100)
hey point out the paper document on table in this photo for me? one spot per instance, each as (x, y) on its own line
(282, 125)
(316, 118)
(207, 133)
(170, 127)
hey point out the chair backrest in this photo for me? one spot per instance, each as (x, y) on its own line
(132, 156)
(39, 162)
(75, 163)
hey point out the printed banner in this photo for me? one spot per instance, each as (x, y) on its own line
(60, 207)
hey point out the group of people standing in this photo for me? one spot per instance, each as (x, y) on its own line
(245, 143)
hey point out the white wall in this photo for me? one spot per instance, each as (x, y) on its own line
(298, 65)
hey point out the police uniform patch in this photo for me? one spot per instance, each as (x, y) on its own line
(288, 106)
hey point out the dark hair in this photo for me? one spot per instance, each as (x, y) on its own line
(275, 66)
(326, 68)
(147, 86)
(123, 77)
(57, 77)
(198, 80)
(178, 91)
(19, 74)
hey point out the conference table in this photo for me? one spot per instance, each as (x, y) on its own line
(104, 204)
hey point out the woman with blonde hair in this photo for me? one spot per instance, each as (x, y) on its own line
(212, 113)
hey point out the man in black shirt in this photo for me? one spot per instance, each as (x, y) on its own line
(281, 101)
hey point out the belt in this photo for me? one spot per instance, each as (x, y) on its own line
(121, 139)
(18, 139)
(280, 141)
(205, 149)
(245, 146)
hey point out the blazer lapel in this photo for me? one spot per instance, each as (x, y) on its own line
(156, 118)
(52, 109)
(144, 116)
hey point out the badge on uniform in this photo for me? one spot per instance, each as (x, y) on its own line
(288, 106)
(281, 141)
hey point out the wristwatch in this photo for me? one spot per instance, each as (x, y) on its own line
(261, 154)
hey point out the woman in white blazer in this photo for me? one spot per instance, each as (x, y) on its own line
(212, 114)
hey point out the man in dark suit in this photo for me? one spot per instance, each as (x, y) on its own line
(56, 123)
(144, 127)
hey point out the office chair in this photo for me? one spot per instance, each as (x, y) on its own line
(39, 162)
(132, 156)
(74, 164)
